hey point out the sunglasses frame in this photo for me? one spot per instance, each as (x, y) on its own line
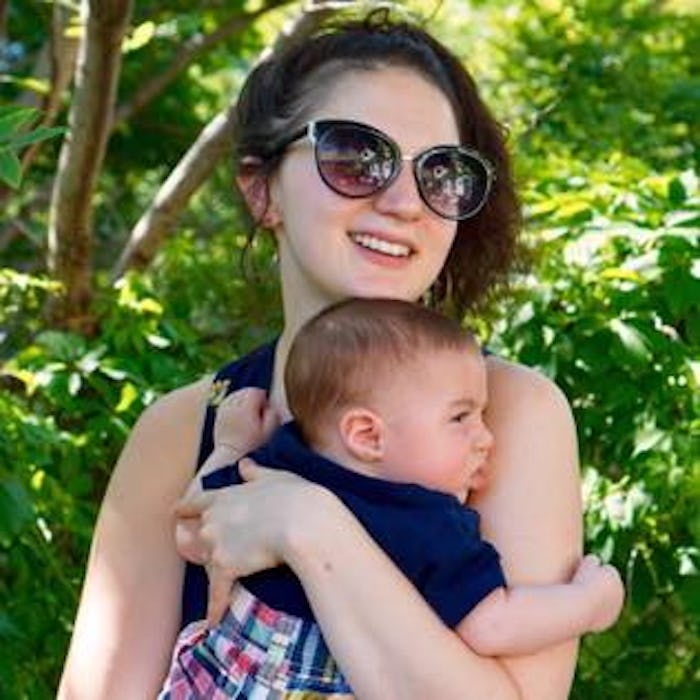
(317, 128)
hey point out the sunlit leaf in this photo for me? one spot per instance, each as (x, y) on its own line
(75, 381)
(139, 37)
(619, 273)
(632, 340)
(37, 85)
(157, 341)
(129, 394)
(648, 438)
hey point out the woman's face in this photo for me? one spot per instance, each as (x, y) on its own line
(387, 245)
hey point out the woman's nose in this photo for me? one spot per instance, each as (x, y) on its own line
(401, 198)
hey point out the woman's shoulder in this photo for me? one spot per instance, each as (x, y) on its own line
(517, 384)
(179, 407)
(167, 432)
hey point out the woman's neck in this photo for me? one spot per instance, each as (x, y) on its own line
(295, 316)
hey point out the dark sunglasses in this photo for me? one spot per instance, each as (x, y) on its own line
(356, 160)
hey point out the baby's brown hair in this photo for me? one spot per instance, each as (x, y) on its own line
(337, 356)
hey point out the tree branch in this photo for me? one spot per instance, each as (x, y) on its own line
(3, 19)
(82, 154)
(202, 158)
(190, 51)
(192, 170)
(64, 52)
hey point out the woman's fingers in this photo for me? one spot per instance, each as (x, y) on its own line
(192, 505)
(188, 541)
(220, 582)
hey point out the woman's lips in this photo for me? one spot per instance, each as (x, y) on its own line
(378, 244)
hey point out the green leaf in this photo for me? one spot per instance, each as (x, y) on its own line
(676, 192)
(141, 36)
(15, 508)
(129, 394)
(10, 168)
(37, 135)
(632, 340)
(13, 118)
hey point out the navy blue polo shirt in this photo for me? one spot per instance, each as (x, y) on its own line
(431, 537)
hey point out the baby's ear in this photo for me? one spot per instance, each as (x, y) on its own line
(362, 432)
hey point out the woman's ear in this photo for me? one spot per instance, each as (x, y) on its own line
(362, 433)
(255, 188)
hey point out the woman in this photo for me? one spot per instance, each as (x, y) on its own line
(325, 133)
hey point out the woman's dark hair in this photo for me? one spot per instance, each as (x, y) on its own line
(281, 91)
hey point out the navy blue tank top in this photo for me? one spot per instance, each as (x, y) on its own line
(254, 370)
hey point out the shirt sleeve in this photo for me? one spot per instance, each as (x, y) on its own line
(463, 569)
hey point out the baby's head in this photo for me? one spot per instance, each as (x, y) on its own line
(353, 349)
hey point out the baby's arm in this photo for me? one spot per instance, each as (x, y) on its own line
(244, 421)
(526, 619)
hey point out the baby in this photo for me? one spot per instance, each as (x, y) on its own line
(388, 400)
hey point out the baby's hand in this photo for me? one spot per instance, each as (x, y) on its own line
(604, 585)
(244, 420)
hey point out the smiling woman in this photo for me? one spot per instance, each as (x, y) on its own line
(443, 230)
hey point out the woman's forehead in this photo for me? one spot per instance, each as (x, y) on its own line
(398, 100)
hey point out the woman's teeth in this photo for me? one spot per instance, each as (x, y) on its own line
(396, 250)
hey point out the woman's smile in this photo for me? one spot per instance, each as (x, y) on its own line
(381, 245)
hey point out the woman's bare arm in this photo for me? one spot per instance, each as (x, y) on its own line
(386, 639)
(531, 510)
(130, 605)
(388, 642)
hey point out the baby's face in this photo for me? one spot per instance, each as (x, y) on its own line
(433, 411)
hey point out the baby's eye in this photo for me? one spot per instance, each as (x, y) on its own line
(460, 417)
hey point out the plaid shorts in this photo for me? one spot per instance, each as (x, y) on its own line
(255, 653)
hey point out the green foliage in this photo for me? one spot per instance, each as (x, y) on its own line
(14, 136)
(604, 117)
(66, 406)
(618, 331)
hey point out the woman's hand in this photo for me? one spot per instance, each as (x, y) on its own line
(243, 529)
(244, 420)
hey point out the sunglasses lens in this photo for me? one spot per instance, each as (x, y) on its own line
(354, 161)
(453, 182)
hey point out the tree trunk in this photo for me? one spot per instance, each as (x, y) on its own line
(202, 158)
(82, 153)
(3, 19)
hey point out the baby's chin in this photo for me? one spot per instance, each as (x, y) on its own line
(478, 480)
